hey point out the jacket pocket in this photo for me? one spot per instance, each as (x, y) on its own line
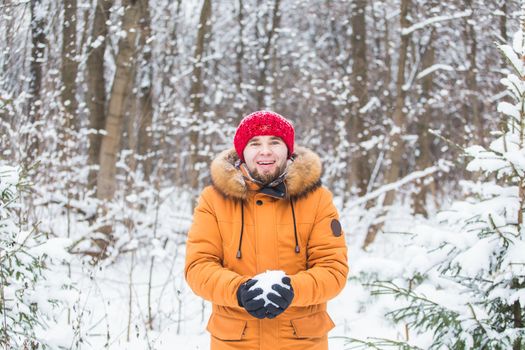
(316, 325)
(226, 328)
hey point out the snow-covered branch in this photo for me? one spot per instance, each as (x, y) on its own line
(434, 68)
(373, 102)
(442, 165)
(421, 25)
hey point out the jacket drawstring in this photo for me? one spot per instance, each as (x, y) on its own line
(297, 249)
(242, 231)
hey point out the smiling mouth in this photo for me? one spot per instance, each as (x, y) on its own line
(265, 163)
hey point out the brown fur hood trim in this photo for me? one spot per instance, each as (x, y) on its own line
(304, 174)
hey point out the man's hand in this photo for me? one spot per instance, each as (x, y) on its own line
(283, 298)
(245, 299)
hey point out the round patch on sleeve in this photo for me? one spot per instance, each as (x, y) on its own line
(335, 225)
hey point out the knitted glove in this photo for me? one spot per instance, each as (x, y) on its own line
(245, 299)
(283, 298)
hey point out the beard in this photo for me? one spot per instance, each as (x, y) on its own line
(268, 178)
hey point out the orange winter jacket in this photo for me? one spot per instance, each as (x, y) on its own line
(299, 234)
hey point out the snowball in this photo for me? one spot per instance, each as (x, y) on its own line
(265, 281)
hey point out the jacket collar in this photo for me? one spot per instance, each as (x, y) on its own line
(275, 189)
(302, 177)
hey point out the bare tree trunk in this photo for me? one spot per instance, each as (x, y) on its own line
(395, 151)
(240, 57)
(7, 34)
(196, 91)
(172, 49)
(85, 17)
(359, 171)
(69, 65)
(145, 102)
(276, 89)
(503, 28)
(423, 158)
(6, 57)
(388, 61)
(169, 62)
(375, 35)
(38, 45)
(240, 48)
(473, 107)
(120, 92)
(265, 59)
(503, 21)
(129, 135)
(96, 94)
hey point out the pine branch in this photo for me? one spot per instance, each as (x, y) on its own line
(377, 344)
(509, 61)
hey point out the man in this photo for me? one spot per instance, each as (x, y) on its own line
(266, 211)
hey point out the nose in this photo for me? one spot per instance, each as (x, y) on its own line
(265, 149)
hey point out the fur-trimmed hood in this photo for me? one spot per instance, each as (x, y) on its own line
(304, 174)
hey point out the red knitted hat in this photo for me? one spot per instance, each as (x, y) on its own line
(263, 123)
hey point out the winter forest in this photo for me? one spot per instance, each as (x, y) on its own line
(112, 110)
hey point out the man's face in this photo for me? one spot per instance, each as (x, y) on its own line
(265, 157)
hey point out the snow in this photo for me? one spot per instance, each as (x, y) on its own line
(102, 296)
(371, 143)
(516, 63)
(517, 42)
(168, 338)
(265, 281)
(476, 259)
(373, 102)
(514, 85)
(98, 41)
(57, 248)
(509, 109)
(40, 11)
(106, 304)
(395, 185)
(515, 259)
(485, 160)
(8, 177)
(434, 68)
(433, 20)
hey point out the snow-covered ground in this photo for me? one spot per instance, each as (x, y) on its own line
(111, 302)
(108, 291)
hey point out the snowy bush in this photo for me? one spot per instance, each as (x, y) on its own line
(461, 285)
(30, 299)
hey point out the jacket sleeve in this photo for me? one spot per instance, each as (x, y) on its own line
(327, 259)
(203, 269)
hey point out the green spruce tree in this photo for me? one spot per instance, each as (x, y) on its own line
(471, 293)
(29, 302)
